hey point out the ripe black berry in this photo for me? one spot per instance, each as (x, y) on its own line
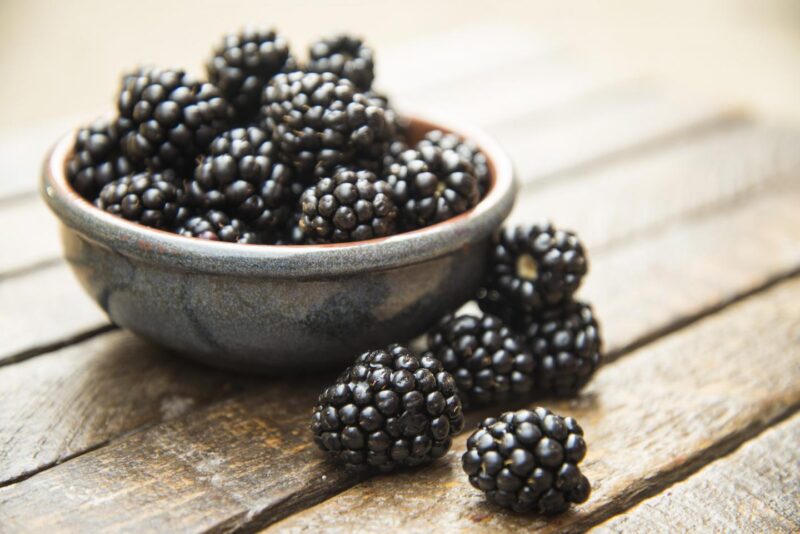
(488, 361)
(348, 206)
(217, 226)
(346, 56)
(321, 120)
(464, 148)
(567, 345)
(150, 198)
(242, 174)
(528, 461)
(97, 159)
(431, 185)
(532, 267)
(172, 117)
(389, 409)
(244, 62)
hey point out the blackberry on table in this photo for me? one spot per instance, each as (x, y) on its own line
(466, 149)
(351, 205)
(216, 225)
(431, 185)
(567, 345)
(243, 63)
(389, 409)
(528, 461)
(319, 120)
(243, 175)
(488, 361)
(172, 116)
(532, 267)
(346, 56)
(97, 159)
(149, 198)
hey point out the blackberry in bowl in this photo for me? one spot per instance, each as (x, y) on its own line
(276, 308)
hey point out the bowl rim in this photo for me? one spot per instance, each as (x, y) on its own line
(171, 250)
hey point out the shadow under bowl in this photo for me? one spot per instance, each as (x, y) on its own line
(278, 309)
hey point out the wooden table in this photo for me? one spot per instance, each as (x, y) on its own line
(691, 213)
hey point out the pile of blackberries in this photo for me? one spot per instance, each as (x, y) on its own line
(533, 340)
(272, 150)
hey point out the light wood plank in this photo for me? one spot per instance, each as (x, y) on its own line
(42, 310)
(649, 419)
(755, 489)
(251, 434)
(649, 190)
(30, 238)
(69, 401)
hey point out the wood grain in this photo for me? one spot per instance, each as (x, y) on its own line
(754, 489)
(690, 176)
(284, 483)
(44, 310)
(30, 239)
(649, 419)
(69, 401)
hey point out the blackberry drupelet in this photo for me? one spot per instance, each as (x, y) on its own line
(532, 267)
(528, 461)
(173, 117)
(348, 206)
(150, 198)
(464, 148)
(345, 56)
(567, 345)
(243, 63)
(431, 185)
(322, 121)
(216, 225)
(242, 175)
(389, 409)
(97, 159)
(488, 361)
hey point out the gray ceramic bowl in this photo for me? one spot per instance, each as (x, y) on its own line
(277, 308)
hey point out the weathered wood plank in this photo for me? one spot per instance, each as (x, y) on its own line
(690, 176)
(273, 483)
(755, 489)
(30, 238)
(43, 310)
(603, 126)
(75, 399)
(649, 419)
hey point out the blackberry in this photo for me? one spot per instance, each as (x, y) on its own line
(242, 174)
(349, 206)
(243, 63)
(532, 267)
(389, 409)
(464, 148)
(172, 116)
(431, 185)
(150, 198)
(345, 56)
(528, 461)
(97, 160)
(567, 345)
(321, 120)
(216, 225)
(488, 361)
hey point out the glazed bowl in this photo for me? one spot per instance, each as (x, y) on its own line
(276, 309)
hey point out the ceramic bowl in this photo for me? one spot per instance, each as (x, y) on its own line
(278, 309)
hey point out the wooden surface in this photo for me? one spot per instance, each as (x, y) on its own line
(689, 211)
(754, 489)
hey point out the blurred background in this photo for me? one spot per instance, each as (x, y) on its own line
(62, 59)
